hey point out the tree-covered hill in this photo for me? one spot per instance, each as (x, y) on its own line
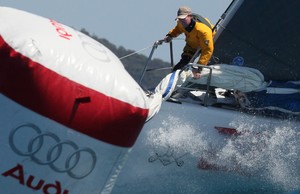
(135, 64)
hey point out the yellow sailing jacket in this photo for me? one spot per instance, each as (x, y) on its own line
(200, 36)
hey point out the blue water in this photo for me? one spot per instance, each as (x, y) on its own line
(165, 159)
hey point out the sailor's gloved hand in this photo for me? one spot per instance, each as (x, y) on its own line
(196, 70)
(168, 38)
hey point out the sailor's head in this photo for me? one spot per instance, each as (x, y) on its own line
(183, 12)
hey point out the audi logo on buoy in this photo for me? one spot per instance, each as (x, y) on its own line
(36, 145)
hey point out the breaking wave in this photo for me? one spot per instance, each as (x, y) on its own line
(264, 152)
(181, 137)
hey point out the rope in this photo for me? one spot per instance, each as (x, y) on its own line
(136, 52)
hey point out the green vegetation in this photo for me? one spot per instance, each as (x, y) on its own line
(135, 64)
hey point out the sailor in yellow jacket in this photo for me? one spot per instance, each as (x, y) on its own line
(198, 35)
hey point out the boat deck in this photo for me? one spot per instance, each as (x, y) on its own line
(227, 100)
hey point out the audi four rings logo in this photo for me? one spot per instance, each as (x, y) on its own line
(54, 152)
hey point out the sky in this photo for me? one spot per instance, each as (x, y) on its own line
(133, 24)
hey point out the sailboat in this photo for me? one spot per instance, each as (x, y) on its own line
(246, 138)
(74, 121)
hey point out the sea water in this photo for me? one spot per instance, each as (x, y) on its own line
(259, 159)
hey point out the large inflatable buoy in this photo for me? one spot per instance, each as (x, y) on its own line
(68, 77)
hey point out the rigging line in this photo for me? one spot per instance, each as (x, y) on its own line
(136, 52)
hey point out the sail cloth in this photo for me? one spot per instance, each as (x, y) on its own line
(70, 78)
(259, 32)
(252, 92)
(168, 84)
(224, 76)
